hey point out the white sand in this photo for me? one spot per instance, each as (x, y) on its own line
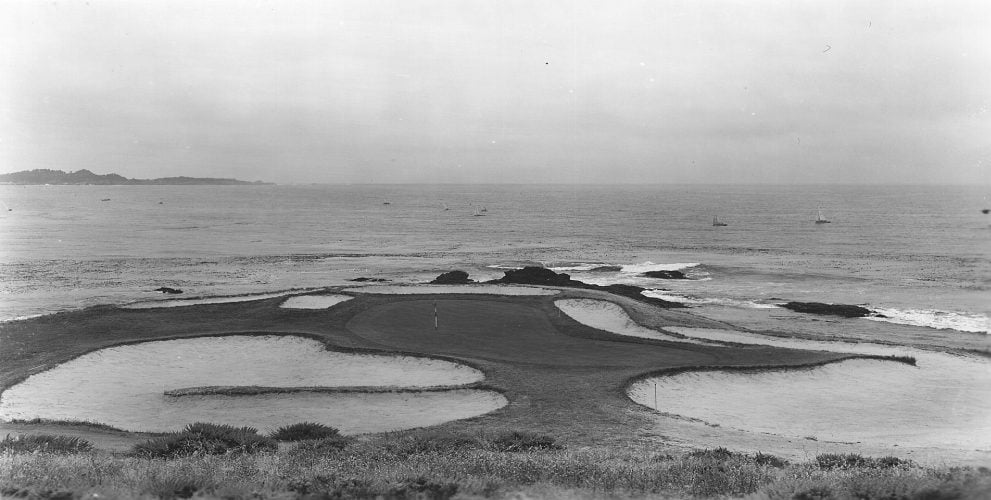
(943, 403)
(314, 301)
(452, 289)
(123, 386)
(208, 300)
(604, 315)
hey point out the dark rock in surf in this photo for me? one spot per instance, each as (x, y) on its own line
(606, 269)
(364, 279)
(666, 275)
(452, 278)
(543, 276)
(844, 310)
(166, 289)
(538, 276)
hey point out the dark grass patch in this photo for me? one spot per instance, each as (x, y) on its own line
(10, 492)
(304, 431)
(523, 441)
(830, 461)
(773, 461)
(45, 443)
(423, 488)
(431, 441)
(205, 439)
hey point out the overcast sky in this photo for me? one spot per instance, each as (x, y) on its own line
(500, 91)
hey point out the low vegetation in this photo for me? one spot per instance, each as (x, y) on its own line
(44, 443)
(205, 439)
(433, 464)
(304, 431)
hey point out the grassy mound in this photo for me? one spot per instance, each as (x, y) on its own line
(304, 431)
(44, 443)
(205, 439)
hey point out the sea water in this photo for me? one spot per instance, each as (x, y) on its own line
(919, 255)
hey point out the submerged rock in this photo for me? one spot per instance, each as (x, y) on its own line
(844, 310)
(666, 275)
(166, 289)
(606, 269)
(452, 278)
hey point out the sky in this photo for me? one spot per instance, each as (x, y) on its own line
(486, 91)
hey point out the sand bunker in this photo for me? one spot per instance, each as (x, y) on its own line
(605, 315)
(943, 402)
(209, 300)
(123, 386)
(446, 289)
(314, 301)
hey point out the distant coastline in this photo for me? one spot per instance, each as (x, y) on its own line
(84, 177)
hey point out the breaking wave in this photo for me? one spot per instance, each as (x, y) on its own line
(940, 320)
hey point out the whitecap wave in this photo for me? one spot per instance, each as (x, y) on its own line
(650, 266)
(719, 301)
(940, 320)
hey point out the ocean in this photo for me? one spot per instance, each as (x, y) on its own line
(919, 255)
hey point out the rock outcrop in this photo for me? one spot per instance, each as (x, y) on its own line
(452, 278)
(546, 277)
(844, 310)
(166, 289)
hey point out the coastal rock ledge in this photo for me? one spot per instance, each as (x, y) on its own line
(542, 276)
(452, 278)
(844, 310)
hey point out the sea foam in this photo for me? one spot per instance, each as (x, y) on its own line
(940, 320)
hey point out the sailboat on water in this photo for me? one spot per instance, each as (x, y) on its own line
(820, 219)
(5, 207)
(478, 212)
(717, 222)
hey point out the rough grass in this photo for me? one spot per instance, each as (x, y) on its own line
(44, 443)
(205, 439)
(401, 465)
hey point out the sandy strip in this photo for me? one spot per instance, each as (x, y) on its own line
(453, 289)
(208, 300)
(604, 315)
(314, 301)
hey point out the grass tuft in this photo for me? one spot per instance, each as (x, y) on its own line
(304, 431)
(205, 439)
(44, 443)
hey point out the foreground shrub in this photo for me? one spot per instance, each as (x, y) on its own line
(205, 439)
(773, 461)
(44, 443)
(523, 441)
(304, 431)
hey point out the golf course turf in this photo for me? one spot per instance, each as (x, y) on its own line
(560, 377)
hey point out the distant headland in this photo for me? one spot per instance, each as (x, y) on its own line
(82, 177)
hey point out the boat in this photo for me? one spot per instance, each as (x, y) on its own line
(6, 208)
(445, 206)
(478, 212)
(716, 222)
(819, 217)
